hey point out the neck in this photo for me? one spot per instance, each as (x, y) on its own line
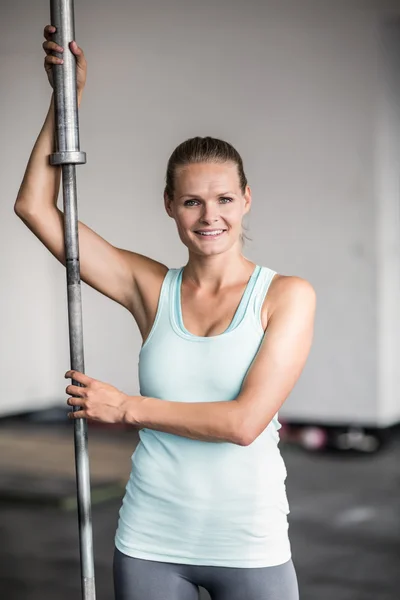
(218, 271)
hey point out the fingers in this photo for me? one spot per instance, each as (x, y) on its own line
(75, 390)
(53, 60)
(77, 414)
(79, 377)
(48, 31)
(75, 48)
(50, 46)
(76, 402)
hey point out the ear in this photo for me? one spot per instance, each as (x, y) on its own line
(247, 199)
(167, 204)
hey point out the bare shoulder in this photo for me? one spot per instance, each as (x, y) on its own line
(289, 291)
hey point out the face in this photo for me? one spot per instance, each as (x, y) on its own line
(208, 207)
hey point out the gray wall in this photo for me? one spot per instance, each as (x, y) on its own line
(294, 85)
(388, 220)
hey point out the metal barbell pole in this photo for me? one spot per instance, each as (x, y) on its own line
(68, 155)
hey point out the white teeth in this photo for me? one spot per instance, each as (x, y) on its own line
(210, 232)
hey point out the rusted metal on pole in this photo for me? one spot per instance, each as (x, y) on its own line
(68, 155)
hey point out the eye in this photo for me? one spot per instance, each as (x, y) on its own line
(225, 200)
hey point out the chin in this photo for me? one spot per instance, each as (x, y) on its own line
(212, 250)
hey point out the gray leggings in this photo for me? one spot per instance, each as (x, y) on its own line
(138, 579)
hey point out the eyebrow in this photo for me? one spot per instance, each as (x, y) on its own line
(197, 195)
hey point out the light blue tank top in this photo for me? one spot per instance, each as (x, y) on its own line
(196, 502)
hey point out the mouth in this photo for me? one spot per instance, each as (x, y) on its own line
(210, 234)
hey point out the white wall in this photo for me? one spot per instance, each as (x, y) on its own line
(294, 86)
(387, 166)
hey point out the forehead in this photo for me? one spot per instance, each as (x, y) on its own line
(198, 178)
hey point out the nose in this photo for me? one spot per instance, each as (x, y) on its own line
(210, 214)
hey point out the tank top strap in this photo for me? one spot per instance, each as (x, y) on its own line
(260, 291)
(164, 300)
(167, 288)
(246, 299)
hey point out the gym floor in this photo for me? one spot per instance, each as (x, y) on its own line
(344, 529)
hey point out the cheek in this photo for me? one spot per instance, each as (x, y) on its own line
(234, 214)
(181, 225)
(186, 219)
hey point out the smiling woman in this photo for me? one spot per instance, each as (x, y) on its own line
(199, 172)
(211, 374)
(224, 342)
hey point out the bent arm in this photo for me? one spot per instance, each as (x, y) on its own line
(205, 421)
(270, 379)
(41, 182)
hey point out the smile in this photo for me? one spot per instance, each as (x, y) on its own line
(216, 233)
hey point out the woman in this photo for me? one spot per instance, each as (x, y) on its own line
(205, 504)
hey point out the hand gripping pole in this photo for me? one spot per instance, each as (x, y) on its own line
(68, 155)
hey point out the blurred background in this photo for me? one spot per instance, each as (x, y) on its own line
(308, 91)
